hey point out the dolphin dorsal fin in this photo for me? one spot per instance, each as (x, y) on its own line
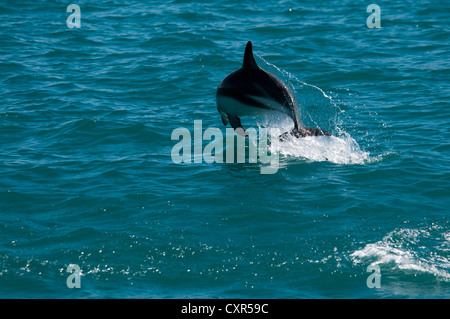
(249, 60)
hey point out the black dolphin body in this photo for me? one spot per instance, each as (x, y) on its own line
(251, 90)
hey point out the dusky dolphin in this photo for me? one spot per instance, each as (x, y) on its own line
(250, 91)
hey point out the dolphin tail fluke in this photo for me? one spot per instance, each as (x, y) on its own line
(236, 124)
(304, 131)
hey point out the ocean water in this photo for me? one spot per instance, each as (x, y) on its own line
(87, 176)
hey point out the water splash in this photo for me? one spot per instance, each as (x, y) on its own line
(318, 110)
(315, 108)
(411, 250)
(339, 150)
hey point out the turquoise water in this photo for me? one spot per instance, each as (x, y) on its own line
(87, 176)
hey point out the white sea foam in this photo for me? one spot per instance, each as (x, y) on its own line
(404, 249)
(336, 149)
(340, 148)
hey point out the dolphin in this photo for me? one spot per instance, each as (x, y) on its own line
(250, 91)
